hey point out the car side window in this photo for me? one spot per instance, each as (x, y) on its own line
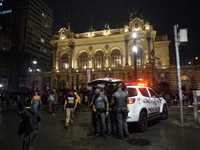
(132, 92)
(153, 94)
(144, 92)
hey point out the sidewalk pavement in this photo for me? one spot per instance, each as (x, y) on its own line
(165, 135)
(188, 115)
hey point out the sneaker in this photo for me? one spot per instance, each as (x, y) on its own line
(65, 126)
(190, 106)
(108, 134)
(97, 135)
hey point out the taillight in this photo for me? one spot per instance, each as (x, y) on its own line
(132, 100)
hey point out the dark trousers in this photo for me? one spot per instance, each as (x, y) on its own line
(53, 107)
(28, 139)
(114, 121)
(93, 120)
(101, 122)
(109, 123)
(122, 123)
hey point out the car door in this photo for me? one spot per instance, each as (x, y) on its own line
(155, 101)
(146, 99)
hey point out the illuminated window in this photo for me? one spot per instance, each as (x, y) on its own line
(46, 26)
(42, 40)
(98, 60)
(64, 61)
(184, 77)
(5, 12)
(115, 58)
(139, 57)
(44, 15)
(83, 60)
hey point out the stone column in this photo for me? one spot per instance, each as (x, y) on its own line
(70, 76)
(149, 49)
(54, 57)
(126, 48)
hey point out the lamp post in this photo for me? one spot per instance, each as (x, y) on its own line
(134, 35)
(34, 70)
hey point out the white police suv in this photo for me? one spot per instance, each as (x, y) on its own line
(144, 103)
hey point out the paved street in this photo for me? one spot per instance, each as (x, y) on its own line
(165, 135)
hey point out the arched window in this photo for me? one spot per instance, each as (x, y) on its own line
(83, 60)
(139, 56)
(98, 60)
(186, 83)
(115, 58)
(64, 61)
(62, 84)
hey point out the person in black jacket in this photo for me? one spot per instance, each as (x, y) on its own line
(28, 124)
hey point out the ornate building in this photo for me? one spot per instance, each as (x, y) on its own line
(79, 58)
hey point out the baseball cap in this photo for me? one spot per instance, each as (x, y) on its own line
(97, 91)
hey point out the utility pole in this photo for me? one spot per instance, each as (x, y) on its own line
(181, 37)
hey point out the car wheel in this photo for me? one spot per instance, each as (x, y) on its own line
(142, 123)
(164, 115)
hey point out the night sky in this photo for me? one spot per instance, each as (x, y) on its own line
(162, 14)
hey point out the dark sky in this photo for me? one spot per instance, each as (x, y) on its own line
(162, 14)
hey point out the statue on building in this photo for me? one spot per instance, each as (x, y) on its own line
(106, 27)
(91, 29)
(135, 14)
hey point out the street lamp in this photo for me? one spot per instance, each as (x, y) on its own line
(34, 62)
(34, 70)
(134, 35)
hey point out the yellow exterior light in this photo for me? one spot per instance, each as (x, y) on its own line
(134, 49)
(147, 27)
(134, 35)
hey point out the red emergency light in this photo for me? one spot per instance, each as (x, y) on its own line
(141, 84)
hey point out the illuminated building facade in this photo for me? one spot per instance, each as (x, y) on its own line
(79, 58)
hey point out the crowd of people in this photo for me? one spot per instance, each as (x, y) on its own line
(173, 99)
(108, 109)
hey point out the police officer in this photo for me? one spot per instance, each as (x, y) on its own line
(93, 131)
(109, 90)
(120, 100)
(101, 108)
